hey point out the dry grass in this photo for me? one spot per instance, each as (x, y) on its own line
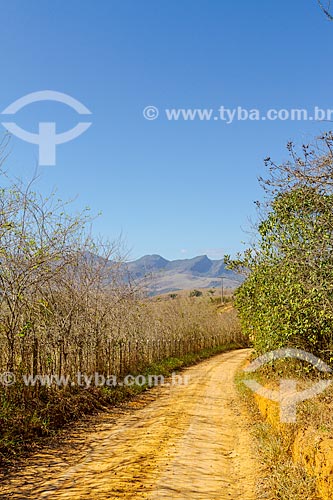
(281, 479)
(147, 337)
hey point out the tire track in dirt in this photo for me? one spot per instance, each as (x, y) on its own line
(191, 442)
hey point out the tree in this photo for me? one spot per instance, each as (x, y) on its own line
(326, 9)
(287, 299)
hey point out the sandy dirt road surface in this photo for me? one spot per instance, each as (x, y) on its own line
(176, 442)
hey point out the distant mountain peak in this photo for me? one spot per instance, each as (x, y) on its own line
(152, 259)
(201, 264)
(166, 275)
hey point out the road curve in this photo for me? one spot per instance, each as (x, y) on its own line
(182, 442)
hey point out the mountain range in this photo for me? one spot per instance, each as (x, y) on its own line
(160, 275)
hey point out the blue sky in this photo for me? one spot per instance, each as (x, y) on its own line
(175, 188)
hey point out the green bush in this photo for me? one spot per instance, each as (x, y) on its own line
(287, 298)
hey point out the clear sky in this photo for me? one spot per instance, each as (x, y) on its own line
(176, 188)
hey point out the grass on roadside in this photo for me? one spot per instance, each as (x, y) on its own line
(25, 428)
(281, 479)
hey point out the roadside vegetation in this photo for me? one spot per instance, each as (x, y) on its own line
(287, 298)
(287, 301)
(280, 477)
(68, 307)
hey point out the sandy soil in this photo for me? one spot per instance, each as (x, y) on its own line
(176, 442)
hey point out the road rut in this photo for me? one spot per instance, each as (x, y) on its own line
(188, 442)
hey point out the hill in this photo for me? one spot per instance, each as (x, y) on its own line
(161, 275)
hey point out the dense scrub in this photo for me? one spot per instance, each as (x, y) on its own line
(287, 298)
(68, 309)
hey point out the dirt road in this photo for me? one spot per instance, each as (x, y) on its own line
(178, 442)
